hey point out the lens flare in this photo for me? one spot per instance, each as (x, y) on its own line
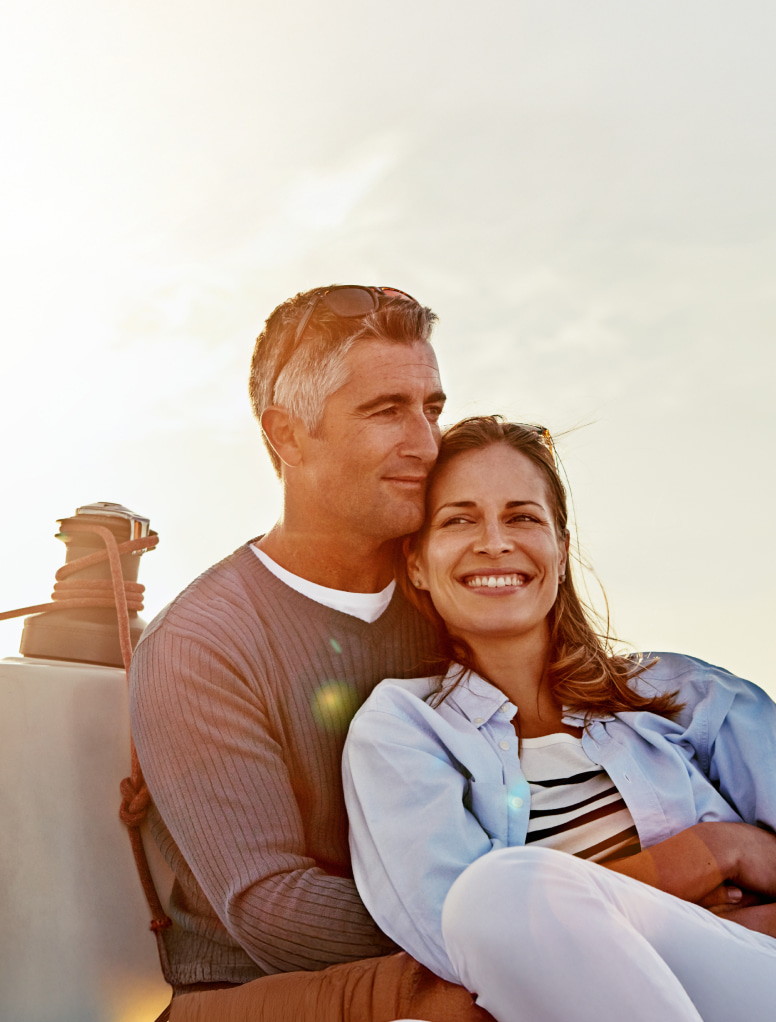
(334, 704)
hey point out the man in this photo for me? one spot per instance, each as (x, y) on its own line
(242, 689)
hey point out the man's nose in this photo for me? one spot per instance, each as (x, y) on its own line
(421, 439)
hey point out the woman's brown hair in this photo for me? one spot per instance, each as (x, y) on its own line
(585, 673)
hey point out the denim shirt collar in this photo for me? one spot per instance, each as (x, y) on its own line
(478, 699)
(475, 697)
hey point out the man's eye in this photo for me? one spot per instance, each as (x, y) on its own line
(388, 412)
(433, 412)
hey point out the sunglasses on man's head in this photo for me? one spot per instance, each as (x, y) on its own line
(349, 301)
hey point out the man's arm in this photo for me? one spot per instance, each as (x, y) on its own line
(220, 782)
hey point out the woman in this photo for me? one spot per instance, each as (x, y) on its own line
(530, 739)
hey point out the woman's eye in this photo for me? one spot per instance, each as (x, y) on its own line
(456, 520)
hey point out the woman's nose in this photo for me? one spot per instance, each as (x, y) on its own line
(493, 539)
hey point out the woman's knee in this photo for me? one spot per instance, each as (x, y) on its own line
(503, 884)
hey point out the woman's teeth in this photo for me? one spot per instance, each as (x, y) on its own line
(495, 581)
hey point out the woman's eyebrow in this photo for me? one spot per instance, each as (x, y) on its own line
(473, 503)
(457, 503)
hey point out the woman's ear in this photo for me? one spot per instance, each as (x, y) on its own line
(414, 571)
(564, 556)
(282, 433)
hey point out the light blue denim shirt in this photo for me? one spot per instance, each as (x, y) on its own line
(429, 790)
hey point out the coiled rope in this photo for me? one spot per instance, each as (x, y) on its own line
(124, 596)
(93, 592)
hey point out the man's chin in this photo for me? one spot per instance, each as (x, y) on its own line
(402, 520)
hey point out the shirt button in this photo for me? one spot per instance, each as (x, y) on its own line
(478, 720)
(516, 802)
(503, 709)
(503, 745)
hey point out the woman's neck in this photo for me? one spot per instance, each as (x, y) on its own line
(518, 667)
(516, 664)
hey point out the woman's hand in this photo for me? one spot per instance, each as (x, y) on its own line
(727, 896)
(746, 855)
(709, 863)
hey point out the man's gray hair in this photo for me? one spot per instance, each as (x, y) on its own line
(302, 379)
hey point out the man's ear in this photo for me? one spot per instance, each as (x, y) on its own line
(414, 571)
(283, 434)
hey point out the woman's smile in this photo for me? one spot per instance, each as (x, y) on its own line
(497, 580)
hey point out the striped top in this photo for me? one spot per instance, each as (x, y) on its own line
(575, 807)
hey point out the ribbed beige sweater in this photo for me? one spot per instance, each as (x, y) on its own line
(241, 693)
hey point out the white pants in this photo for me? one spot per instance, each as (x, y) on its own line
(541, 936)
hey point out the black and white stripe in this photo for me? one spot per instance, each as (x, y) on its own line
(575, 807)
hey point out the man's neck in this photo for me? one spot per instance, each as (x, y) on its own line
(354, 564)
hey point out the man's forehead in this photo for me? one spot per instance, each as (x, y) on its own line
(377, 359)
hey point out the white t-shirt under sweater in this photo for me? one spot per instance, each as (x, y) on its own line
(366, 606)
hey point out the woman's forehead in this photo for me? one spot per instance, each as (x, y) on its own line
(487, 471)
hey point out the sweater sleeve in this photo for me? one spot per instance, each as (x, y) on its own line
(220, 782)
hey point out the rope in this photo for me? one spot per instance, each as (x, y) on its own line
(124, 596)
(135, 796)
(91, 592)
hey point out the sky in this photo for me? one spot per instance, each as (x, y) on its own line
(582, 192)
